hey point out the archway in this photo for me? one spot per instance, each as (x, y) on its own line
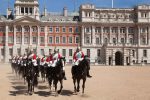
(118, 58)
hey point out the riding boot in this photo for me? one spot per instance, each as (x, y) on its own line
(88, 74)
(64, 75)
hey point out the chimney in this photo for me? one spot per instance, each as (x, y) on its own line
(9, 13)
(65, 11)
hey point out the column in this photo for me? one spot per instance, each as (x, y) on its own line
(14, 46)
(14, 34)
(30, 35)
(24, 10)
(110, 36)
(46, 40)
(139, 37)
(6, 58)
(22, 41)
(148, 35)
(38, 41)
(102, 35)
(118, 35)
(127, 32)
(82, 36)
(93, 36)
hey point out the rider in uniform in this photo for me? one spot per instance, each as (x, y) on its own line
(56, 57)
(77, 58)
(33, 57)
(49, 59)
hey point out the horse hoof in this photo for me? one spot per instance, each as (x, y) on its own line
(78, 90)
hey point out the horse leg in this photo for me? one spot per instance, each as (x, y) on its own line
(61, 86)
(74, 81)
(78, 87)
(55, 83)
(83, 86)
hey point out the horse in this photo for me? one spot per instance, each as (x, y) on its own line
(56, 74)
(80, 72)
(31, 77)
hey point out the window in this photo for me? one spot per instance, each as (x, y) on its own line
(34, 40)
(144, 15)
(97, 30)
(50, 40)
(63, 29)
(87, 40)
(122, 40)
(10, 29)
(2, 52)
(98, 52)
(26, 10)
(122, 30)
(133, 53)
(10, 39)
(26, 29)
(57, 29)
(77, 39)
(97, 40)
(31, 10)
(26, 39)
(114, 40)
(70, 39)
(106, 30)
(114, 30)
(42, 29)
(143, 41)
(10, 52)
(2, 29)
(105, 40)
(57, 39)
(77, 30)
(18, 39)
(64, 52)
(131, 30)
(131, 40)
(64, 39)
(19, 51)
(42, 40)
(88, 52)
(144, 53)
(1, 39)
(22, 10)
(18, 29)
(51, 29)
(34, 29)
(87, 30)
(70, 30)
(70, 52)
(42, 52)
(143, 30)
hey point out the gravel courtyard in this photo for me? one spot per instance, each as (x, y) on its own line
(107, 83)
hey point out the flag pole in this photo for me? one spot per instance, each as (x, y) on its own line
(112, 3)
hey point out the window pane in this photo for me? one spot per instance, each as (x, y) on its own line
(64, 39)
(70, 52)
(50, 40)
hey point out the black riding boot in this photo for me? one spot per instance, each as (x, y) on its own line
(64, 75)
(88, 74)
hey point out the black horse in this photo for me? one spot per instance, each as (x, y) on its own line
(31, 77)
(56, 74)
(80, 72)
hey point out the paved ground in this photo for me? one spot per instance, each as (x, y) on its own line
(108, 83)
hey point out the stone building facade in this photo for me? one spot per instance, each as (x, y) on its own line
(116, 36)
(109, 36)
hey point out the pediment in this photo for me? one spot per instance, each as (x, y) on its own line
(26, 19)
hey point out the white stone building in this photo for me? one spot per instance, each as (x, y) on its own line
(116, 36)
(110, 36)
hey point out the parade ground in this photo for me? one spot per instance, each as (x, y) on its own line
(107, 83)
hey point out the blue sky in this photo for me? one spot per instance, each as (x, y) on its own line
(57, 5)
